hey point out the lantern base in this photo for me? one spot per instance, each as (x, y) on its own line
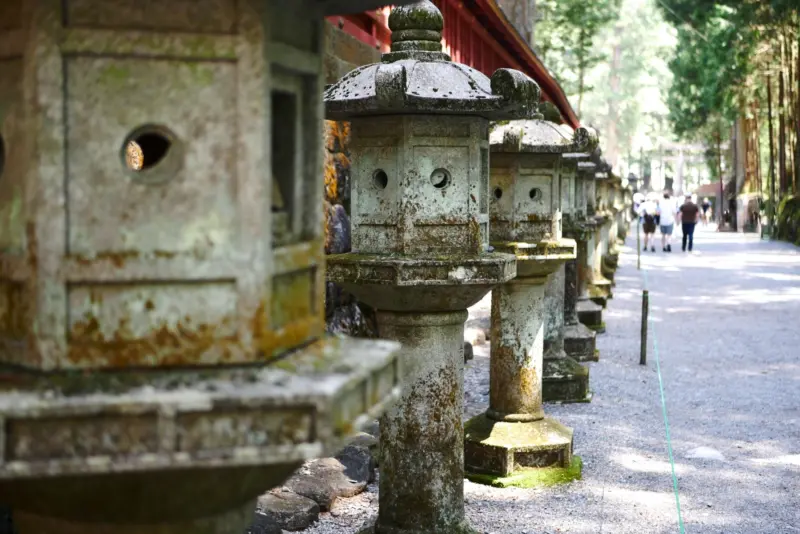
(579, 343)
(564, 380)
(591, 315)
(502, 449)
(147, 448)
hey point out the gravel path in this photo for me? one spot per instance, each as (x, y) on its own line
(726, 323)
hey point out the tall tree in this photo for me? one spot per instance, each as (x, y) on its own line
(566, 39)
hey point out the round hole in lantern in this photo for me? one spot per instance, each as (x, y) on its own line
(498, 193)
(535, 193)
(152, 153)
(380, 179)
(440, 178)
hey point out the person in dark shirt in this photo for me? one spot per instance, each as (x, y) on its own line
(688, 214)
(706, 205)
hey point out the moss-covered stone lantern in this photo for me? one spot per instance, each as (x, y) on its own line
(162, 348)
(579, 340)
(514, 435)
(589, 313)
(420, 231)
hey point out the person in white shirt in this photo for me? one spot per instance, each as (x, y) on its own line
(667, 208)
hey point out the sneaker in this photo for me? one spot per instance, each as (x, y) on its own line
(652, 249)
(669, 248)
(663, 249)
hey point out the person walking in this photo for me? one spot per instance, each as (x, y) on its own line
(689, 215)
(647, 211)
(667, 208)
(706, 206)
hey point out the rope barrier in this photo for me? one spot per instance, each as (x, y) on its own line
(664, 413)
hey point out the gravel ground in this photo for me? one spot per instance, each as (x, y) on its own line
(726, 323)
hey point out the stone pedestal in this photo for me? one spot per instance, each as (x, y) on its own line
(598, 286)
(422, 436)
(513, 440)
(564, 379)
(579, 340)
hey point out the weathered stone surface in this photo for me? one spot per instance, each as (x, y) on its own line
(338, 241)
(370, 442)
(580, 343)
(565, 380)
(287, 509)
(416, 76)
(501, 448)
(263, 524)
(326, 479)
(422, 436)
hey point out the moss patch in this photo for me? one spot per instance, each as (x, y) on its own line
(599, 328)
(533, 477)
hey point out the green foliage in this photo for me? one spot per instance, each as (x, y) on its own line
(627, 104)
(565, 38)
(710, 70)
(716, 56)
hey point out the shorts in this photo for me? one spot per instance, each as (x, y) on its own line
(666, 229)
(649, 227)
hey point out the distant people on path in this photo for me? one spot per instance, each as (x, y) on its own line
(689, 215)
(706, 206)
(667, 208)
(648, 211)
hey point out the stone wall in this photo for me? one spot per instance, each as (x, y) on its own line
(342, 313)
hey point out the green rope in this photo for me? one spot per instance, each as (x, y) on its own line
(664, 412)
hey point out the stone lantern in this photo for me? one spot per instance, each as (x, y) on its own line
(420, 231)
(161, 264)
(606, 242)
(598, 285)
(579, 340)
(589, 313)
(513, 434)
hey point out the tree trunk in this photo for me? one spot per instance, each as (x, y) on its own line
(612, 135)
(781, 136)
(797, 118)
(772, 198)
(582, 53)
(721, 207)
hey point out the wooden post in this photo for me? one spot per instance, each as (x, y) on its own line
(638, 242)
(645, 313)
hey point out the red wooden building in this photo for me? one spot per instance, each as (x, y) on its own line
(476, 33)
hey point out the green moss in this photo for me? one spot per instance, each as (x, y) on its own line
(533, 477)
(597, 328)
